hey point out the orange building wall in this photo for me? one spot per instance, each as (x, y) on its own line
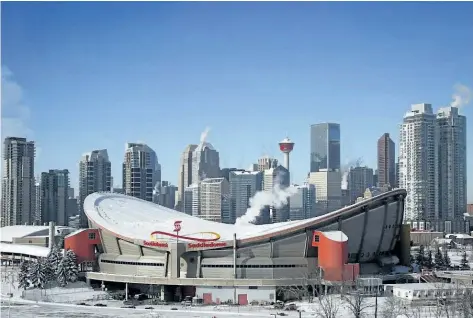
(82, 245)
(333, 258)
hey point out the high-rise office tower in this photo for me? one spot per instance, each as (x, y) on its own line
(54, 197)
(328, 192)
(243, 186)
(278, 175)
(215, 200)
(141, 171)
(452, 168)
(205, 162)
(265, 163)
(303, 203)
(359, 179)
(418, 169)
(95, 175)
(167, 195)
(225, 172)
(386, 162)
(191, 200)
(324, 147)
(185, 174)
(18, 182)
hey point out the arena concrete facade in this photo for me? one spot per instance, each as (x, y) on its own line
(138, 240)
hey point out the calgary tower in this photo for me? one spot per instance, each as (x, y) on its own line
(286, 146)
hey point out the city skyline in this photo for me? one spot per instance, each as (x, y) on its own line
(56, 114)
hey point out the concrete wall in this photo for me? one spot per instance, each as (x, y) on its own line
(424, 238)
(32, 240)
(223, 294)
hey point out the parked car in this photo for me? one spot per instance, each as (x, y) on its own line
(100, 305)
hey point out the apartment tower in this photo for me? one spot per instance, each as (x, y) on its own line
(141, 171)
(452, 169)
(95, 175)
(418, 168)
(18, 182)
(55, 197)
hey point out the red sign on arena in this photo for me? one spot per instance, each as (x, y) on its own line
(177, 226)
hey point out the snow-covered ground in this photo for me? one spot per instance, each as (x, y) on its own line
(62, 302)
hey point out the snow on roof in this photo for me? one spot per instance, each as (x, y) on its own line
(337, 236)
(33, 250)
(133, 218)
(75, 232)
(15, 231)
(458, 236)
(423, 286)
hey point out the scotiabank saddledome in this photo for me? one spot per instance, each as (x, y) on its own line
(141, 238)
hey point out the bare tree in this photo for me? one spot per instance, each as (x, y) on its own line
(414, 310)
(357, 302)
(464, 301)
(392, 307)
(329, 306)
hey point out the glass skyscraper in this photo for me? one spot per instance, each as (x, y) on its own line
(324, 147)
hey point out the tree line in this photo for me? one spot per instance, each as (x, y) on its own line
(55, 269)
(440, 260)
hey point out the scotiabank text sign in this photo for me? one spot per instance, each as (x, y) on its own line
(206, 245)
(155, 244)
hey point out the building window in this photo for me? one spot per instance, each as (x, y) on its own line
(316, 238)
(92, 236)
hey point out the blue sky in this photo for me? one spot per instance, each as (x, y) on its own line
(82, 76)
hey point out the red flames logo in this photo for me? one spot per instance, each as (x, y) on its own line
(177, 226)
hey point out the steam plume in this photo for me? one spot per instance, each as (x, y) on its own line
(345, 169)
(461, 96)
(277, 198)
(204, 134)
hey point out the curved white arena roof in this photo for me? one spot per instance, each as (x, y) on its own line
(132, 218)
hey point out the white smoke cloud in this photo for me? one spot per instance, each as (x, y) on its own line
(204, 134)
(276, 198)
(461, 96)
(345, 169)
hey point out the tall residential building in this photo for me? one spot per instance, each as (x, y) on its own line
(37, 205)
(54, 197)
(386, 173)
(215, 200)
(278, 175)
(303, 203)
(72, 207)
(167, 195)
(95, 175)
(205, 162)
(18, 182)
(185, 174)
(359, 179)
(396, 184)
(452, 168)
(141, 171)
(243, 186)
(418, 169)
(266, 162)
(328, 192)
(191, 200)
(324, 147)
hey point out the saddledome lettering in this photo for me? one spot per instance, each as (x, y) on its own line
(155, 244)
(206, 245)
